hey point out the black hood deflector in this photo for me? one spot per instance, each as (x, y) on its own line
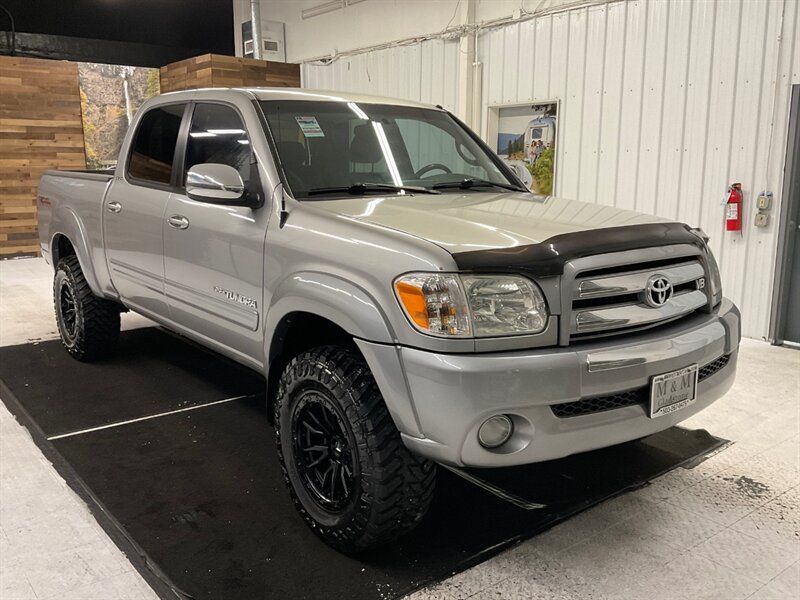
(549, 257)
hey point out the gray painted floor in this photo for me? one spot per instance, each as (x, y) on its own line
(728, 529)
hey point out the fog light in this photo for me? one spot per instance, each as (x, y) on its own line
(495, 431)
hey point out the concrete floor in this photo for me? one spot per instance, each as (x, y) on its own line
(728, 528)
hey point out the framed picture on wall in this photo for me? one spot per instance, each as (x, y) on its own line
(110, 96)
(525, 137)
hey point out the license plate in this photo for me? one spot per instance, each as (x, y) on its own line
(673, 391)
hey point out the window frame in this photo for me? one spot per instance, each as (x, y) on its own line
(146, 183)
(179, 169)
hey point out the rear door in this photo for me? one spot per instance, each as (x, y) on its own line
(133, 211)
(213, 253)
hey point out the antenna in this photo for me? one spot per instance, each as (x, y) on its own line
(284, 212)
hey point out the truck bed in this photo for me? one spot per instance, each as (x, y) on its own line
(72, 202)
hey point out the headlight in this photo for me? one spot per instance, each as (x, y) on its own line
(504, 305)
(435, 303)
(472, 305)
(713, 268)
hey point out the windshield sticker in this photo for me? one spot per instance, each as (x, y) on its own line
(309, 126)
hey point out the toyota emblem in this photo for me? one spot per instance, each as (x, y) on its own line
(658, 291)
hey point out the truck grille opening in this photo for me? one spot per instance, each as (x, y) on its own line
(588, 406)
(711, 368)
(619, 299)
(600, 403)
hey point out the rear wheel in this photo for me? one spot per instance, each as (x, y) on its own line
(88, 325)
(351, 477)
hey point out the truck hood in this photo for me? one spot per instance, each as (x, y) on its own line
(479, 221)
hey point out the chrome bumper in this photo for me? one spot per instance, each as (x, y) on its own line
(439, 400)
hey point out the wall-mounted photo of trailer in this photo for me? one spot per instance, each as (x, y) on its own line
(526, 140)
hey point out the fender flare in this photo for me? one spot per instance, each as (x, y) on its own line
(330, 297)
(71, 227)
(356, 312)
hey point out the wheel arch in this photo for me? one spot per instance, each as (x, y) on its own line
(296, 332)
(312, 309)
(71, 237)
(60, 247)
(322, 309)
(333, 298)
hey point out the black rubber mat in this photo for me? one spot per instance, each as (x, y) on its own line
(201, 495)
(151, 372)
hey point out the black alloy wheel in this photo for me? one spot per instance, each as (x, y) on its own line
(67, 310)
(326, 462)
(350, 475)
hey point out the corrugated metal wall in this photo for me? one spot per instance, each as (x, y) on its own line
(425, 72)
(662, 105)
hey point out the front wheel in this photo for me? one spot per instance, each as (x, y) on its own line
(88, 325)
(350, 476)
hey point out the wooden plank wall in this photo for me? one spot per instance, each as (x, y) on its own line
(215, 70)
(40, 129)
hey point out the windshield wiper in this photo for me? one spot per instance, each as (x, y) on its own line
(472, 182)
(363, 188)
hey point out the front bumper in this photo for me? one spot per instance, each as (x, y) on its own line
(440, 400)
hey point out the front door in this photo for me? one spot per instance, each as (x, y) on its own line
(133, 211)
(214, 254)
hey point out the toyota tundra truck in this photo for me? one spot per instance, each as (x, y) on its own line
(409, 302)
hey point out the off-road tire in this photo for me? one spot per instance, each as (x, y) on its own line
(90, 331)
(393, 488)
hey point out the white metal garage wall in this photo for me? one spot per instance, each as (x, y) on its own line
(662, 105)
(425, 72)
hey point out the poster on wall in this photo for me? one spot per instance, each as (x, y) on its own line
(110, 96)
(526, 140)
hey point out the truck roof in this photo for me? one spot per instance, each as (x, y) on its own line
(286, 93)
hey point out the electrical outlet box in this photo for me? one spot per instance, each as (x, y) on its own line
(764, 201)
(761, 219)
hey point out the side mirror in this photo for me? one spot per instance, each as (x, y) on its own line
(215, 183)
(522, 173)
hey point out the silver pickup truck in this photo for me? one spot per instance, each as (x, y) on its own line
(408, 300)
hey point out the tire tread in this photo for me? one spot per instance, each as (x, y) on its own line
(398, 485)
(100, 317)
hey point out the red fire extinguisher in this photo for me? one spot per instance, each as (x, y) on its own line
(733, 208)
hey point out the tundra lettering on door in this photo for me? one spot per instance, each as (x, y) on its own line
(235, 297)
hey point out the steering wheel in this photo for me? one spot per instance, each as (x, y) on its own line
(431, 167)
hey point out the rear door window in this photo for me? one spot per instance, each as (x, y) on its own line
(153, 146)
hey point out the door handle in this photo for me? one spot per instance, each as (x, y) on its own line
(113, 206)
(178, 222)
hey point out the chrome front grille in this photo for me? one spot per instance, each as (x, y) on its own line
(624, 298)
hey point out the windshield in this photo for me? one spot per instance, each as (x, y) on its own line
(339, 149)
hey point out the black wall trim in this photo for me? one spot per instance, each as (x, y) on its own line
(141, 33)
(60, 47)
(549, 257)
